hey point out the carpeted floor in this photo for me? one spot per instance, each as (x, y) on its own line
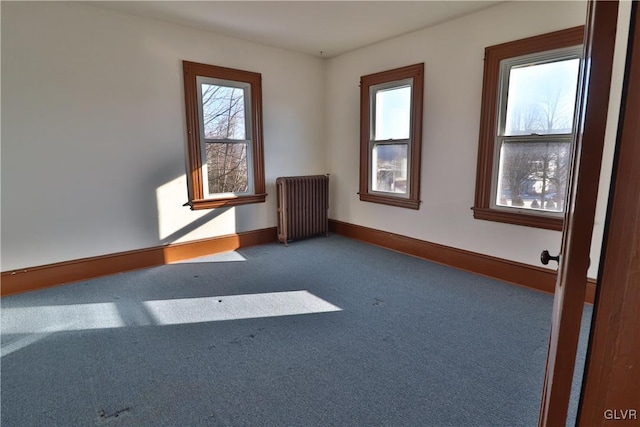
(325, 332)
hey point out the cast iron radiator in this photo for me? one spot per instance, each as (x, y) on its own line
(303, 202)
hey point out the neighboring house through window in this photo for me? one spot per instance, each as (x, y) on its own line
(391, 136)
(224, 136)
(527, 129)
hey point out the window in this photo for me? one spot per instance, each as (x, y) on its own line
(224, 136)
(527, 129)
(391, 136)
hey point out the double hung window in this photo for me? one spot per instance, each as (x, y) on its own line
(390, 139)
(224, 136)
(528, 128)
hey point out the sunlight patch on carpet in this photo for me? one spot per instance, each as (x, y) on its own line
(235, 307)
(57, 318)
(41, 321)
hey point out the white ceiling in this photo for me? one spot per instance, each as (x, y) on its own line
(311, 27)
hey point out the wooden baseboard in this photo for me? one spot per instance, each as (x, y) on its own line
(590, 294)
(29, 279)
(537, 278)
(33, 278)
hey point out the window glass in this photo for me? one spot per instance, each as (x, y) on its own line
(392, 113)
(389, 168)
(541, 98)
(223, 112)
(533, 175)
(227, 168)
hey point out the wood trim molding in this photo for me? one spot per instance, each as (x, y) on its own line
(590, 293)
(517, 273)
(518, 218)
(33, 278)
(390, 200)
(228, 201)
(416, 74)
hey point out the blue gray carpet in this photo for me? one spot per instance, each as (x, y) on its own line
(325, 332)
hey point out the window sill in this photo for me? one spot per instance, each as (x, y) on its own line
(391, 201)
(518, 218)
(228, 201)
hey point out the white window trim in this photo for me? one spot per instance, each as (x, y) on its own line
(246, 87)
(373, 142)
(555, 55)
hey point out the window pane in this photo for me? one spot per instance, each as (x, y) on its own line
(389, 168)
(227, 168)
(533, 175)
(223, 112)
(393, 113)
(541, 98)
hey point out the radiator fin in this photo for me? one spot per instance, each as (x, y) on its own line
(303, 202)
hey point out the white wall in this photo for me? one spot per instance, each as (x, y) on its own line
(93, 131)
(453, 56)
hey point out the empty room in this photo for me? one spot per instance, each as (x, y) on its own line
(346, 213)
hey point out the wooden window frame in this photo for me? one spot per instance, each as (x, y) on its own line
(485, 172)
(416, 74)
(197, 199)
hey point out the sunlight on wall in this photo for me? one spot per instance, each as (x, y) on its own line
(177, 222)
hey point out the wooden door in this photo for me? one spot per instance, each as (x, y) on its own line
(570, 288)
(611, 386)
